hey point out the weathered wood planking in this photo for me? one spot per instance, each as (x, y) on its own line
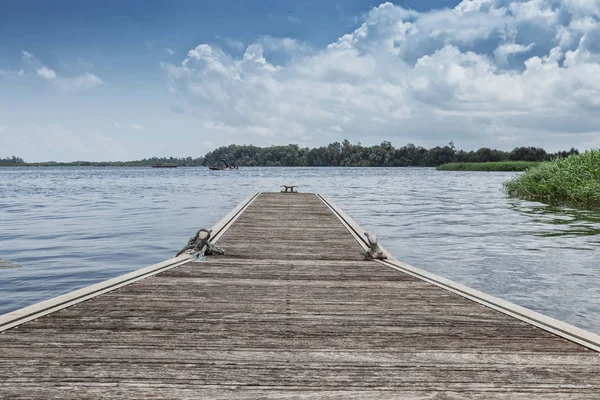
(292, 311)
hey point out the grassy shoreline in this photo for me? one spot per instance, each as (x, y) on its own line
(499, 166)
(572, 181)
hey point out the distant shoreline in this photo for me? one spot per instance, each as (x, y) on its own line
(500, 166)
(344, 154)
(99, 165)
(34, 165)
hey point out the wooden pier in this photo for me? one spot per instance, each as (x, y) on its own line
(293, 310)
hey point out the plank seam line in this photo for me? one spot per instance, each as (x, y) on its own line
(29, 313)
(549, 324)
(351, 226)
(232, 217)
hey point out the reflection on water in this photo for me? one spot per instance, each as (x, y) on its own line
(70, 227)
(572, 222)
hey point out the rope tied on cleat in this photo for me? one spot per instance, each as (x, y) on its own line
(200, 245)
(375, 252)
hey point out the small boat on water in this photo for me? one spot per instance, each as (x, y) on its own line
(224, 167)
(215, 168)
(164, 166)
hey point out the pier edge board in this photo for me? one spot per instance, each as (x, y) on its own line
(562, 329)
(352, 226)
(37, 310)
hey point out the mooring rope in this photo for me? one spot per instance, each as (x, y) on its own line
(201, 246)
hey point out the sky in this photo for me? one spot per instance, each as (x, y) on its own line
(123, 80)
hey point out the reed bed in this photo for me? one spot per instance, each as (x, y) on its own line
(572, 181)
(500, 166)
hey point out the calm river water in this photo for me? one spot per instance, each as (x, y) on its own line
(71, 227)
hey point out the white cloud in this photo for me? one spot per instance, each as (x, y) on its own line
(137, 127)
(285, 46)
(504, 51)
(26, 55)
(33, 67)
(80, 82)
(489, 72)
(169, 51)
(46, 73)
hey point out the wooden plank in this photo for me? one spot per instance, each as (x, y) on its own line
(292, 311)
(131, 389)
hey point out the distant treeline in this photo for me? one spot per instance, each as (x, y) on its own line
(146, 162)
(384, 155)
(12, 161)
(335, 154)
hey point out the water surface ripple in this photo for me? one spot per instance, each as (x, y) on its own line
(70, 227)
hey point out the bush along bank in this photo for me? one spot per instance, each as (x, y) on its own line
(572, 181)
(501, 166)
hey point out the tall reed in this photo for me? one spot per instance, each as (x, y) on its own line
(572, 181)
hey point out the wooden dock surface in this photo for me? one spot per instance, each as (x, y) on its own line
(292, 311)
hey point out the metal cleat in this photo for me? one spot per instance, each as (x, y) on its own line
(375, 251)
(289, 189)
